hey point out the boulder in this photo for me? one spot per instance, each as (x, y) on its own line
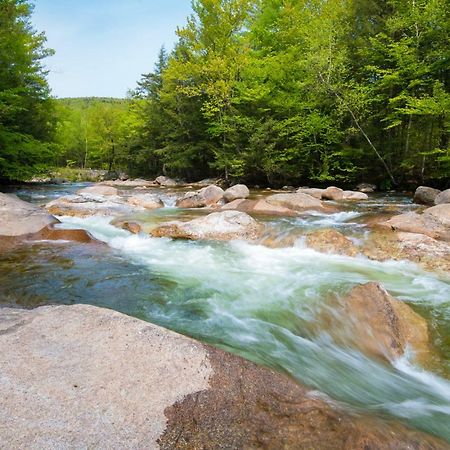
(425, 195)
(376, 323)
(295, 201)
(147, 201)
(98, 189)
(258, 207)
(138, 182)
(440, 213)
(206, 196)
(132, 227)
(366, 187)
(332, 193)
(353, 195)
(19, 218)
(442, 197)
(86, 377)
(331, 241)
(166, 181)
(223, 225)
(313, 192)
(236, 192)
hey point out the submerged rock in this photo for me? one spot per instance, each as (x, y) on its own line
(296, 201)
(376, 323)
(86, 377)
(206, 196)
(425, 195)
(331, 241)
(238, 191)
(258, 207)
(224, 225)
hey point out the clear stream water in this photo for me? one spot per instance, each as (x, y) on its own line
(262, 303)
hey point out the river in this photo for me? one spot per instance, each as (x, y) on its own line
(254, 300)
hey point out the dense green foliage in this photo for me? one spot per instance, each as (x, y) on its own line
(285, 91)
(25, 107)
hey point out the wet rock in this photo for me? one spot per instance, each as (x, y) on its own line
(258, 207)
(313, 192)
(98, 189)
(18, 218)
(376, 323)
(333, 193)
(238, 191)
(331, 241)
(166, 181)
(131, 226)
(206, 196)
(60, 234)
(223, 225)
(366, 187)
(86, 377)
(443, 197)
(296, 201)
(353, 195)
(147, 201)
(425, 195)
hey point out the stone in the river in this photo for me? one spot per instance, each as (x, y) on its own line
(223, 225)
(425, 195)
(443, 197)
(235, 192)
(138, 182)
(131, 226)
(295, 201)
(166, 181)
(98, 189)
(86, 377)
(258, 207)
(147, 201)
(313, 192)
(206, 196)
(376, 323)
(19, 218)
(331, 241)
(433, 222)
(354, 195)
(333, 193)
(366, 187)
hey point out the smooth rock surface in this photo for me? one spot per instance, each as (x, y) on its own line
(296, 201)
(19, 218)
(147, 201)
(442, 197)
(313, 192)
(206, 196)
(84, 377)
(425, 195)
(235, 192)
(223, 225)
(333, 193)
(166, 181)
(98, 189)
(258, 207)
(354, 195)
(331, 241)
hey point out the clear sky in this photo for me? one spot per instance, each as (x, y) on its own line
(103, 46)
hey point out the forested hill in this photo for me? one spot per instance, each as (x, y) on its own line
(264, 91)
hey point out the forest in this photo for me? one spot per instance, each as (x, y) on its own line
(272, 92)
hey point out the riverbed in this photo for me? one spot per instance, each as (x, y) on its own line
(262, 302)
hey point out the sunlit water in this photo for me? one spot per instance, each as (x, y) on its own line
(257, 301)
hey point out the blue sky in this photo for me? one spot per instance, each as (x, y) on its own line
(103, 46)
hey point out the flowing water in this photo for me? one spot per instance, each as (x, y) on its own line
(260, 302)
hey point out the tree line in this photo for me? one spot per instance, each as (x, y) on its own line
(267, 92)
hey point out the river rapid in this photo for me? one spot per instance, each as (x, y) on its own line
(260, 302)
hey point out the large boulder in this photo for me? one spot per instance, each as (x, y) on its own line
(223, 225)
(98, 189)
(433, 222)
(313, 192)
(332, 193)
(18, 218)
(442, 197)
(85, 377)
(206, 196)
(354, 196)
(376, 323)
(425, 195)
(147, 201)
(296, 201)
(236, 192)
(166, 181)
(331, 241)
(258, 207)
